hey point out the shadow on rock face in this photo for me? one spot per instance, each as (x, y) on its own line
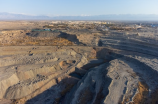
(100, 43)
(55, 94)
(93, 63)
(72, 38)
(43, 34)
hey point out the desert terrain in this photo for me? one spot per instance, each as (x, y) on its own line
(78, 62)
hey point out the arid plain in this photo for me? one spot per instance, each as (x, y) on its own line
(78, 62)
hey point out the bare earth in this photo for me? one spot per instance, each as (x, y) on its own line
(77, 64)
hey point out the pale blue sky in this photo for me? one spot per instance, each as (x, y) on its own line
(79, 7)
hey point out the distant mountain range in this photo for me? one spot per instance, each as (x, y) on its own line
(11, 16)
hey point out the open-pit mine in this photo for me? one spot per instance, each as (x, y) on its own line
(78, 62)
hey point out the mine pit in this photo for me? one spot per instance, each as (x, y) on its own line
(77, 67)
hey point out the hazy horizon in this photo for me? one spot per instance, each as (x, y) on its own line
(126, 17)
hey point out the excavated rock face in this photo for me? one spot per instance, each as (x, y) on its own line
(29, 71)
(76, 75)
(122, 71)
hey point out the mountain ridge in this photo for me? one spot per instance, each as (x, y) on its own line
(12, 16)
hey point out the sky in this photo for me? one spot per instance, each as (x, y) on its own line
(79, 7)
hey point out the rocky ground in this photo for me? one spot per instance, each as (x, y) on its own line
(77, 68)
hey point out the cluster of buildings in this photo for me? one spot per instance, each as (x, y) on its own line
(91, 25)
